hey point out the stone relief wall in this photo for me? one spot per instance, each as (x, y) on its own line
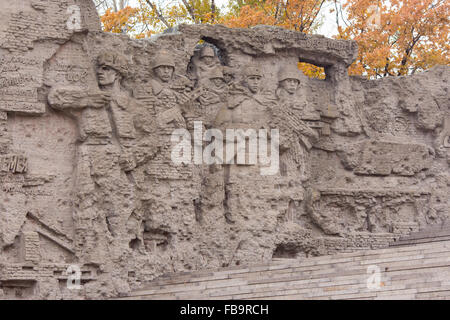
(87, 177)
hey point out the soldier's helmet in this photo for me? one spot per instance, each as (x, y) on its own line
(207, 51)
(114, 60)
(163, 58)
(252, 71)
(216, 73)
(289, 73)
(228, 70)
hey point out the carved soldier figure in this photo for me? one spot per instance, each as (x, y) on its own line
(228, 75)
(244, 185)
(111, 68)
(208, 56)
(213, 98)
(289, 80)
(106, 131)
(296, 139)
(208, 61)
(168, 101)
(217, 80)
(249, 109)
(173, 98)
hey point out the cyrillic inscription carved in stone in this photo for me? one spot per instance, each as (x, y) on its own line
(13, 164)
(31, 247)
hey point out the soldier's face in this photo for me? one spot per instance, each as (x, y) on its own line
(253, 83)
(290, 85)
(164, 73)
(228, 77)
(218, 82)
(208, 60)
(106, 75)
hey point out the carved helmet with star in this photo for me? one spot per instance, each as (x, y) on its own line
(253, 71)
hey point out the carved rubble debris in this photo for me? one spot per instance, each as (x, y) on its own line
(87, 176)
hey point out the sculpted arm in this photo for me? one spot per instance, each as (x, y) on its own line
(292, 124)
(70, 98)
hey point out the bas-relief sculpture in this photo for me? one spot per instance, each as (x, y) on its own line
(87, 178)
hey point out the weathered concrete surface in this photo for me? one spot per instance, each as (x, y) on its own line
(86, 173)
(415, 271)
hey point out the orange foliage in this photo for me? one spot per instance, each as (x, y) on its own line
(120, 21)
(311, 70)
(398, 37)
(248, 17)
(299, 15)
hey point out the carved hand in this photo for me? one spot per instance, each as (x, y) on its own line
(183, 98)
(178, 118)
(127, 162)
(171, 115)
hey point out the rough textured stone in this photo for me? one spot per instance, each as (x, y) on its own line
(376, 274)
(87, 177)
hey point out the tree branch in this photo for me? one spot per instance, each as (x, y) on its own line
(409, 50)
(190, 10)
(317, 13)
(213, 10)
(160, 16)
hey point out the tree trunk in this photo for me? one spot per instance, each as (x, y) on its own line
(213, 10)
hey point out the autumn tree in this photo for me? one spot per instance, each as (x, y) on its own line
(155, 16)
(298, 15)
(397, 37)
(117, 16)
(121, 21)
